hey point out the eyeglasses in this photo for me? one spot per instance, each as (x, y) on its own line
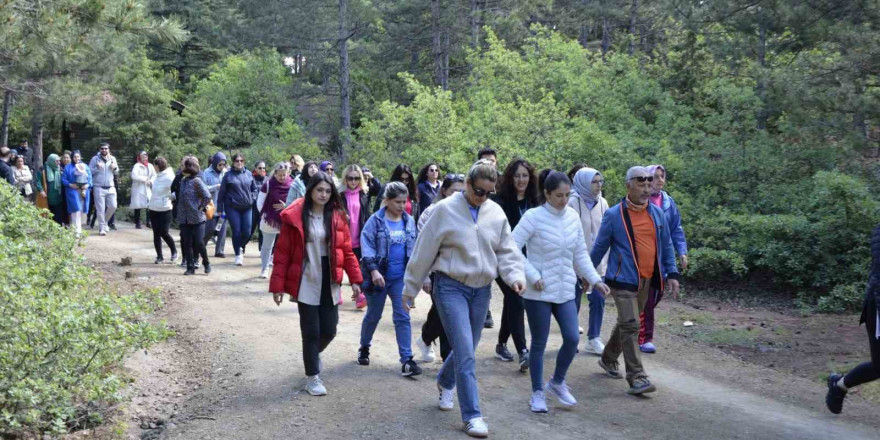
(352, 178)
(238, 161)
(480, 192)
(641, 179)
(599, 182)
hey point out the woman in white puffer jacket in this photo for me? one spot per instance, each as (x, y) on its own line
(557, 258)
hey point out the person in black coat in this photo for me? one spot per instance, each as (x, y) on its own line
(838, 385)
(5, 169)
(428, 185)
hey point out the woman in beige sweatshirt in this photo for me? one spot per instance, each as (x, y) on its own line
(466, 243)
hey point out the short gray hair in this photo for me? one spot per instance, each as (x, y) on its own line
(636, 172)
(394, 190)
(482, 169)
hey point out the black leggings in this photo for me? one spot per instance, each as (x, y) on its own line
(191, 242)
(161, 227)
(255, 225)
(868, 371)
(512, 318)
(137, 217)
(318, 323)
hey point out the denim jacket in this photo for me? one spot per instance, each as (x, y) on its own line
(374, 244)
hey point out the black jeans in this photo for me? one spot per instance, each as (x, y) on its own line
(137, 217)
(868, 371)
(191, 242)
(161, 228)
(512, 318)
(433, 329)
(255, 225)
(318, 323)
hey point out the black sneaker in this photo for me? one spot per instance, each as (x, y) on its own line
(524, 361)
(159, 260)
(410, 368)
(173, 258)
(641, 386)
(190, 271)
(197, 264)
(183, 264)
(112, 226)
(835, 396)
(612, 368)
(364, 356)
(219, 255)
(207, 269)
(501, 352)
(489, 323)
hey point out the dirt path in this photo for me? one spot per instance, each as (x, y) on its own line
(234, 368)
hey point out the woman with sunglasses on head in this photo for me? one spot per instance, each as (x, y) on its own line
(314, 248)
(466, 243)
(433, 326)
(234, 200)
(518, 192)
(662, 200)
(428, 185)
(403, 174)
(259, 179)
(298, 187)
(357, 204)
(587, 201)
(270, 202)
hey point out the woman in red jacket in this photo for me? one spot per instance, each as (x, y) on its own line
(313, 249)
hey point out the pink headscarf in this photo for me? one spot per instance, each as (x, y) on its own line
(656, 196)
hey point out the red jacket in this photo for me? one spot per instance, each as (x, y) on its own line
(290, 252)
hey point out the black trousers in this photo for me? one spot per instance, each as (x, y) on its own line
(318, 323)
(59, 213)
(512, 318)
(191, 242)
(161, 231)
(255, 225)
(136, 216)
(868, 371)
(433, 329)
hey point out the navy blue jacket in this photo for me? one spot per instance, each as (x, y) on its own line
(237, 190)
(616, 234)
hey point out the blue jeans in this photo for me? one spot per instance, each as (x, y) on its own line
(462, 310)
(597, 311)
(240, 222)
(402, 327)
(539, 313)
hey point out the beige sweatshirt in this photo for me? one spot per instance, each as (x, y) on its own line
(472, 254)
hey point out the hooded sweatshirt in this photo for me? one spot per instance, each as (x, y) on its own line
(237, 190)
(213, 176)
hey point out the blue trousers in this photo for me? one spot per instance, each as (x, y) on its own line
(597, 310)
(240, 222)
(462, 310)
(539, 314)
(402, 328)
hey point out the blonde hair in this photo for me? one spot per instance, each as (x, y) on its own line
(343, 186)
(482, 169)
(298, 161)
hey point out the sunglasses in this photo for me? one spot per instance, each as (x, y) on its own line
(261, 168)
(480, 192)
(455, 177)
(352, 178)
(433, 170)
(238, 161)
(641, 179)
(330, 169)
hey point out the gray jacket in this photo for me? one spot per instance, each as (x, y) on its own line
(103, 176)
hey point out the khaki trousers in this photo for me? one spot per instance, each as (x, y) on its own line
(625, 336)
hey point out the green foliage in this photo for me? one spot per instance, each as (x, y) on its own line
(708, 264)
(843, 298)
(63, 333)
(248, 96)
(289, 139)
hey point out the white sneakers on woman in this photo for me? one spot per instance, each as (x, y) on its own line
(428, 355)
(445, 403)
(239, 260)
(595, 346)
(476, 427)
(561, 392)
(264, 274)
(538, 402)
(315, 386)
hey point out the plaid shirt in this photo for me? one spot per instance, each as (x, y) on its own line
(191, 202)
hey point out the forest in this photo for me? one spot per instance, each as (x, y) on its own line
(764, 112)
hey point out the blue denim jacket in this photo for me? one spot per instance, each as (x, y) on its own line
(616, 235)
(374, 244)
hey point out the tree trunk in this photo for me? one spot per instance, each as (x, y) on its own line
(344, 86)
(4, 129)
(633, 19)
(37, 133)
(440, 46)
(761, 87)
(606, 36)
(475, 23)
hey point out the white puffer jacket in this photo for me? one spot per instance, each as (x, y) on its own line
(554, 241)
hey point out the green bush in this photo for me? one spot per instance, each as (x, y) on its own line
(63, 333)
(707, 264)
(843, 298)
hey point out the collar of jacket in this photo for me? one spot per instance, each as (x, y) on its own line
(553, 210)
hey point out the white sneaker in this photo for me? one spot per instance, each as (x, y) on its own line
(580, 330)
(561, 392)
(428, 355)
(476, 427)
(446, 396)
(315, 387)
(239, 260)
(264, 273)
(595, 346)
(538, 402)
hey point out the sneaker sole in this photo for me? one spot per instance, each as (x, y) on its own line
(411, 374)
(608, 372)
(524, 367)
(316, 394)
(363, 363)
(502, 358)
(562, 404)
(539, 411)
(476, 434)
